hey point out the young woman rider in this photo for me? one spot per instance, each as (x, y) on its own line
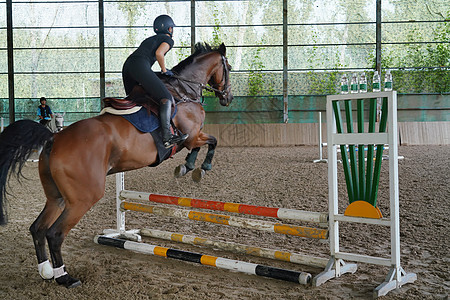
(137, 70)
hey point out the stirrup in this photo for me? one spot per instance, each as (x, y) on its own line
(175, 139)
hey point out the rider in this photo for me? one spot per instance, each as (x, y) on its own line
(137, 69)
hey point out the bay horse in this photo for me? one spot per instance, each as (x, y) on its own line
(74, 162)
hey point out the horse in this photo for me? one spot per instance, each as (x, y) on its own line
(74, 162)
(56, 123)
(59, 122)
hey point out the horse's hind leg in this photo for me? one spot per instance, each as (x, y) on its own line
(38, 231)
(68, 198)
(55, 237)
(52, 210)
(80, 193)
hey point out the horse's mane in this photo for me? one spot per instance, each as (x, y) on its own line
(199, 49)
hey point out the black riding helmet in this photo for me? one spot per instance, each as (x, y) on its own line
(162, 24)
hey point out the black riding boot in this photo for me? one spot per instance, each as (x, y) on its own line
(164, 116)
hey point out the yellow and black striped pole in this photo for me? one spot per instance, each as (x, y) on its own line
(219, 262)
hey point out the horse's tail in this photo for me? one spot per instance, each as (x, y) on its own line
(17, 143)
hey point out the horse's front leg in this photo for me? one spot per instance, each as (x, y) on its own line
(199, 173)
(195, 145)
(182, 170)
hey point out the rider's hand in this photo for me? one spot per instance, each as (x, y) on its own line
(169, 73)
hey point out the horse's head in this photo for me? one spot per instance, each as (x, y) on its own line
(205, 66)
(220, 79)
(59, 121)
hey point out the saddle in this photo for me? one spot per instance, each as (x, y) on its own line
(143, 121)
(137, 97)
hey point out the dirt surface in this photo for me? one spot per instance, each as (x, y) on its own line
(279, 177)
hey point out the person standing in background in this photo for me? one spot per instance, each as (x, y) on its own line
(44, 112)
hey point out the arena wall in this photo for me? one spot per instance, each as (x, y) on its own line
(291, 134)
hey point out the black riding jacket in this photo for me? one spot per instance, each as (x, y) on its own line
(137, 69)
(149, 46)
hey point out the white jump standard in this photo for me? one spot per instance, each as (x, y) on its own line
(336, 267)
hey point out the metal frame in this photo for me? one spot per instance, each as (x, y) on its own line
(285, 45)
(10, 45)
(337, 266)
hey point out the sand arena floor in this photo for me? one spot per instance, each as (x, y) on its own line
(280, 177)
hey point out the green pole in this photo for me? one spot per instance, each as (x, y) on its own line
(337, 114)
(370, 151)
(361, 163)
(352, 151)
(379, 156)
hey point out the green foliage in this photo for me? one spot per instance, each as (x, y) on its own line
(217, 38)
(323, 83)
(433, 62)
(216, 34)
(40, 54)
(427, 71)
(132, 10)
(183, 52)
(257, 85)
(440, 55)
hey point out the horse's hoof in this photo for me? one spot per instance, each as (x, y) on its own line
(181, 170)
(198, 174)
(68, 281)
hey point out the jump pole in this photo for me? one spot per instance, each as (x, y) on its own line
(256, 224)
(296, 258)
(274, 212)
(115, 237)
(219, 262)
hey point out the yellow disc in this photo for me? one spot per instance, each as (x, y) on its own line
(363, 209)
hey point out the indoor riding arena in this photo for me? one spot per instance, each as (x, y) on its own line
(330, 179)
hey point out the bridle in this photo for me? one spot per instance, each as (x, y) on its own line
(208, 87)
(225, 77)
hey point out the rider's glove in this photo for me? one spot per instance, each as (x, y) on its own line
(169, 73)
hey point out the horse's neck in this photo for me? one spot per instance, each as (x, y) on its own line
(200, 70)
(196, 76)
(187, 88)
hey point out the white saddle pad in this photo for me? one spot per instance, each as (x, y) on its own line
(114, 111)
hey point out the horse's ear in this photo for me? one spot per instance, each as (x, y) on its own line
(223, 49)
